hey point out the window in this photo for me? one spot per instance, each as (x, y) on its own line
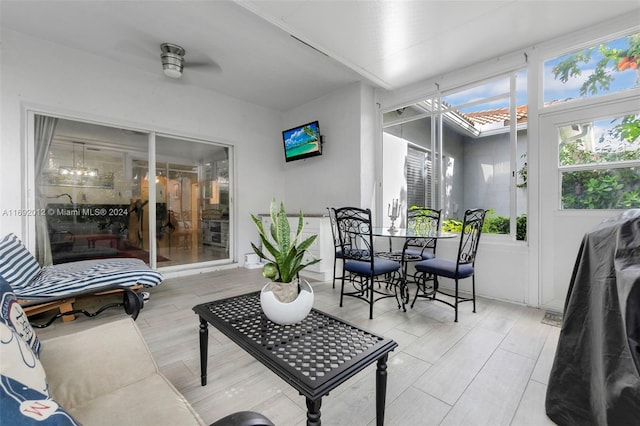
(483, 161)
(419, 179)
(599, 164)
(604, 68)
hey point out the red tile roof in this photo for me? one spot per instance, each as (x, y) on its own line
(500, 115)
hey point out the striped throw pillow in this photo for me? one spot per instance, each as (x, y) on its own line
(17, 264)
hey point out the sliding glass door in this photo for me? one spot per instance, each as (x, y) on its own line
(94, 182)
(192, 201)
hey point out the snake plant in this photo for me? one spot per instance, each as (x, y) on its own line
(284, 254)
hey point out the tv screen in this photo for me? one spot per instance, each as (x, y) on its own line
(302, 141)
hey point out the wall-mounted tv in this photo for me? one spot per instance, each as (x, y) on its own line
(302, 142)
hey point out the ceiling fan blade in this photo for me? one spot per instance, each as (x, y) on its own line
(201, 61)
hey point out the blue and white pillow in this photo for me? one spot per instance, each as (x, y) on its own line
(12, 315)
(17, 265)
(24, 393)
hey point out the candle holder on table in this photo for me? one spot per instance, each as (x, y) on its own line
(393, 213)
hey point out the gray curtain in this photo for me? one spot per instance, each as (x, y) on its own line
(45, 128)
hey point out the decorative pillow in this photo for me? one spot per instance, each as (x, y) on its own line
(24, 393)
(17, 264)
(12, 314)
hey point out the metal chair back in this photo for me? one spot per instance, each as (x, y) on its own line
(355, 233)
(470, 236)
(423, 221)
(334, 228)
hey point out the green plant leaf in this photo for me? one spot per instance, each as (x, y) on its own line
(286, 252)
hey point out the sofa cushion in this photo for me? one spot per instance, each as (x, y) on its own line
(17, 264)
(12, 314)
(127, 378)
(152, 401)
(88, 364)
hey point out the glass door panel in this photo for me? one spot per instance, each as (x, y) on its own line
(85, 188)
(192, 201)
(94, 184)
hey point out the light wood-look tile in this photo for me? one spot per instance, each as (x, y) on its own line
(449, 378)
(528, 334)
(489, 368)
(531, 410)
(545, 360)
(493, 396)
(414, 407)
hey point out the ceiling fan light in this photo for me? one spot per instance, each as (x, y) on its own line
(172, 59)
(172, 64)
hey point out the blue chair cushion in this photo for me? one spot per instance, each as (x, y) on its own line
(14, 317)
(444, 268)
(427, 254)
(380, 266)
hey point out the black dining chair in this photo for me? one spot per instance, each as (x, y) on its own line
(336, 245)
(422, 221)
(364, 268)
(462, 267)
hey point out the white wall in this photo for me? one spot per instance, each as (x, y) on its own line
(332, 179)
(52, 78)
(493, 153)
(394, 176)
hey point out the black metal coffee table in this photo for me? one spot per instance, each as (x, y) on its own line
(314, 356)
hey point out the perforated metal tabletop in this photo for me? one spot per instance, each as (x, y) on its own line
(314, 356)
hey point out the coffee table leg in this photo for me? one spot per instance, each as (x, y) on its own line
(381, 389)
(313, 412)
(204, 349)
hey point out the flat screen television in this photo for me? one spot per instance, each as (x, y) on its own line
(302, 142)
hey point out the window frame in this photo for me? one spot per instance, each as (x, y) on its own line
(437, 116)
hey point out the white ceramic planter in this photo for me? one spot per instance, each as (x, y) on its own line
(287, 313)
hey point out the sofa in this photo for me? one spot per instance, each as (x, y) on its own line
(104, 375)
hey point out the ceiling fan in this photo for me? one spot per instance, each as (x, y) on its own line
(173, 62)
(172, 59)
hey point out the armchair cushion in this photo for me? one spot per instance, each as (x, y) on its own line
(444, 268)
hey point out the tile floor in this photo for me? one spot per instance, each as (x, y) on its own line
(490, 368)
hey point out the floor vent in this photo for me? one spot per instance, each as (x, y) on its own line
(552, 318)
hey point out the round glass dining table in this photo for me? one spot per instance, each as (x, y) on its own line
(407, 234)
(411, 233)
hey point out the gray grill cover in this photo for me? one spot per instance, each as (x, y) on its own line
(595, 376)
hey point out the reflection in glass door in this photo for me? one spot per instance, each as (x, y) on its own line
(94, 183)
(192, 202)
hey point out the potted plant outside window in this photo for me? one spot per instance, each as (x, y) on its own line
(285, 294)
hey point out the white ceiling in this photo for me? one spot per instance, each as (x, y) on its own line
(245, 50)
